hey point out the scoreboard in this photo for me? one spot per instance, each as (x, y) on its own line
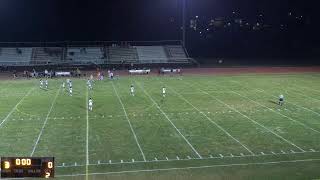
(20, 167)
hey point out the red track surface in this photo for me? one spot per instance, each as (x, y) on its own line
(217, 71)
(248, 70)
(239, 70)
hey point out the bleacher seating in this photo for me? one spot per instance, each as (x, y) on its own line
(86, 55)
(15, 56)
(177, 54)
(118, 54)
(50, 55)
(152, 54)
(94, 55)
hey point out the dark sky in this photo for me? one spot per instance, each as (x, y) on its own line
(60, 20)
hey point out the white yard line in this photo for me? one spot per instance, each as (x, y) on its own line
(272, 153)
(301, 94)
(45, 122)
(194, 167)
(87, 135)
(255, 122)
(298, 122)
(311, 89)
(261, 90)
(165, 115)
(15, 107)
(307, 109)
(221, 128)
(126, 115)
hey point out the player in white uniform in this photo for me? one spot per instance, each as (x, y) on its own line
(63, 85)
(46, 83)
(41, 83)
(164, 92)
(90, 104)
(132, 90)
(70, 84)
(281, 100)
(89, 84)
(70, 91)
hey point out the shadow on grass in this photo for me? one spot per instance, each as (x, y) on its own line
(273, 102)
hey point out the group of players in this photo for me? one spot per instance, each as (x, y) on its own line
(44, 84)
(132, 91)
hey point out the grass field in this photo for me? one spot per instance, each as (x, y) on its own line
(207, 127)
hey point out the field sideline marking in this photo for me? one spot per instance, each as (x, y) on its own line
(45, 122)
(194, 150)
(125, 113)
(260, 90)
(255, 122)
(221, 128)
(187, 159)
(311, 89)
(15, 107)
(302, 124)
(301, 94)
(194, 167)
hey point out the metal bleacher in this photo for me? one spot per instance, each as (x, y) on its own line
(89, 55)
(47, 55)
(177, 54)
(152, 54)
(15, 56)
(117, 54)
(96, 53)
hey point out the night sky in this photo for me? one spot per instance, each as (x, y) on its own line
(77, 20)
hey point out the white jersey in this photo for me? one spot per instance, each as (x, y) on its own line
(163, 90)
(63, 85)
(46, 82)
(281, 96)
(90, 102)
(132, 89)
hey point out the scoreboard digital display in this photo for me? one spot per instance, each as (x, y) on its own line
(20, 167)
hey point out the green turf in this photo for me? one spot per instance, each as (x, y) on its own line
(221, 127)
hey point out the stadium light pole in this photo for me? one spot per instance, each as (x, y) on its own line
(184, 4)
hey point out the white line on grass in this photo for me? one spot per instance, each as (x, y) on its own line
(261, 90)
(259, 124)
(221, 128)
(294, 104)
(45, 122)
(194, 167)
(307, 88)
(272, 153)
(301, 94)
(255, 122)
(302, 124)
(15, 107)
(165, 115)
(125, 113)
